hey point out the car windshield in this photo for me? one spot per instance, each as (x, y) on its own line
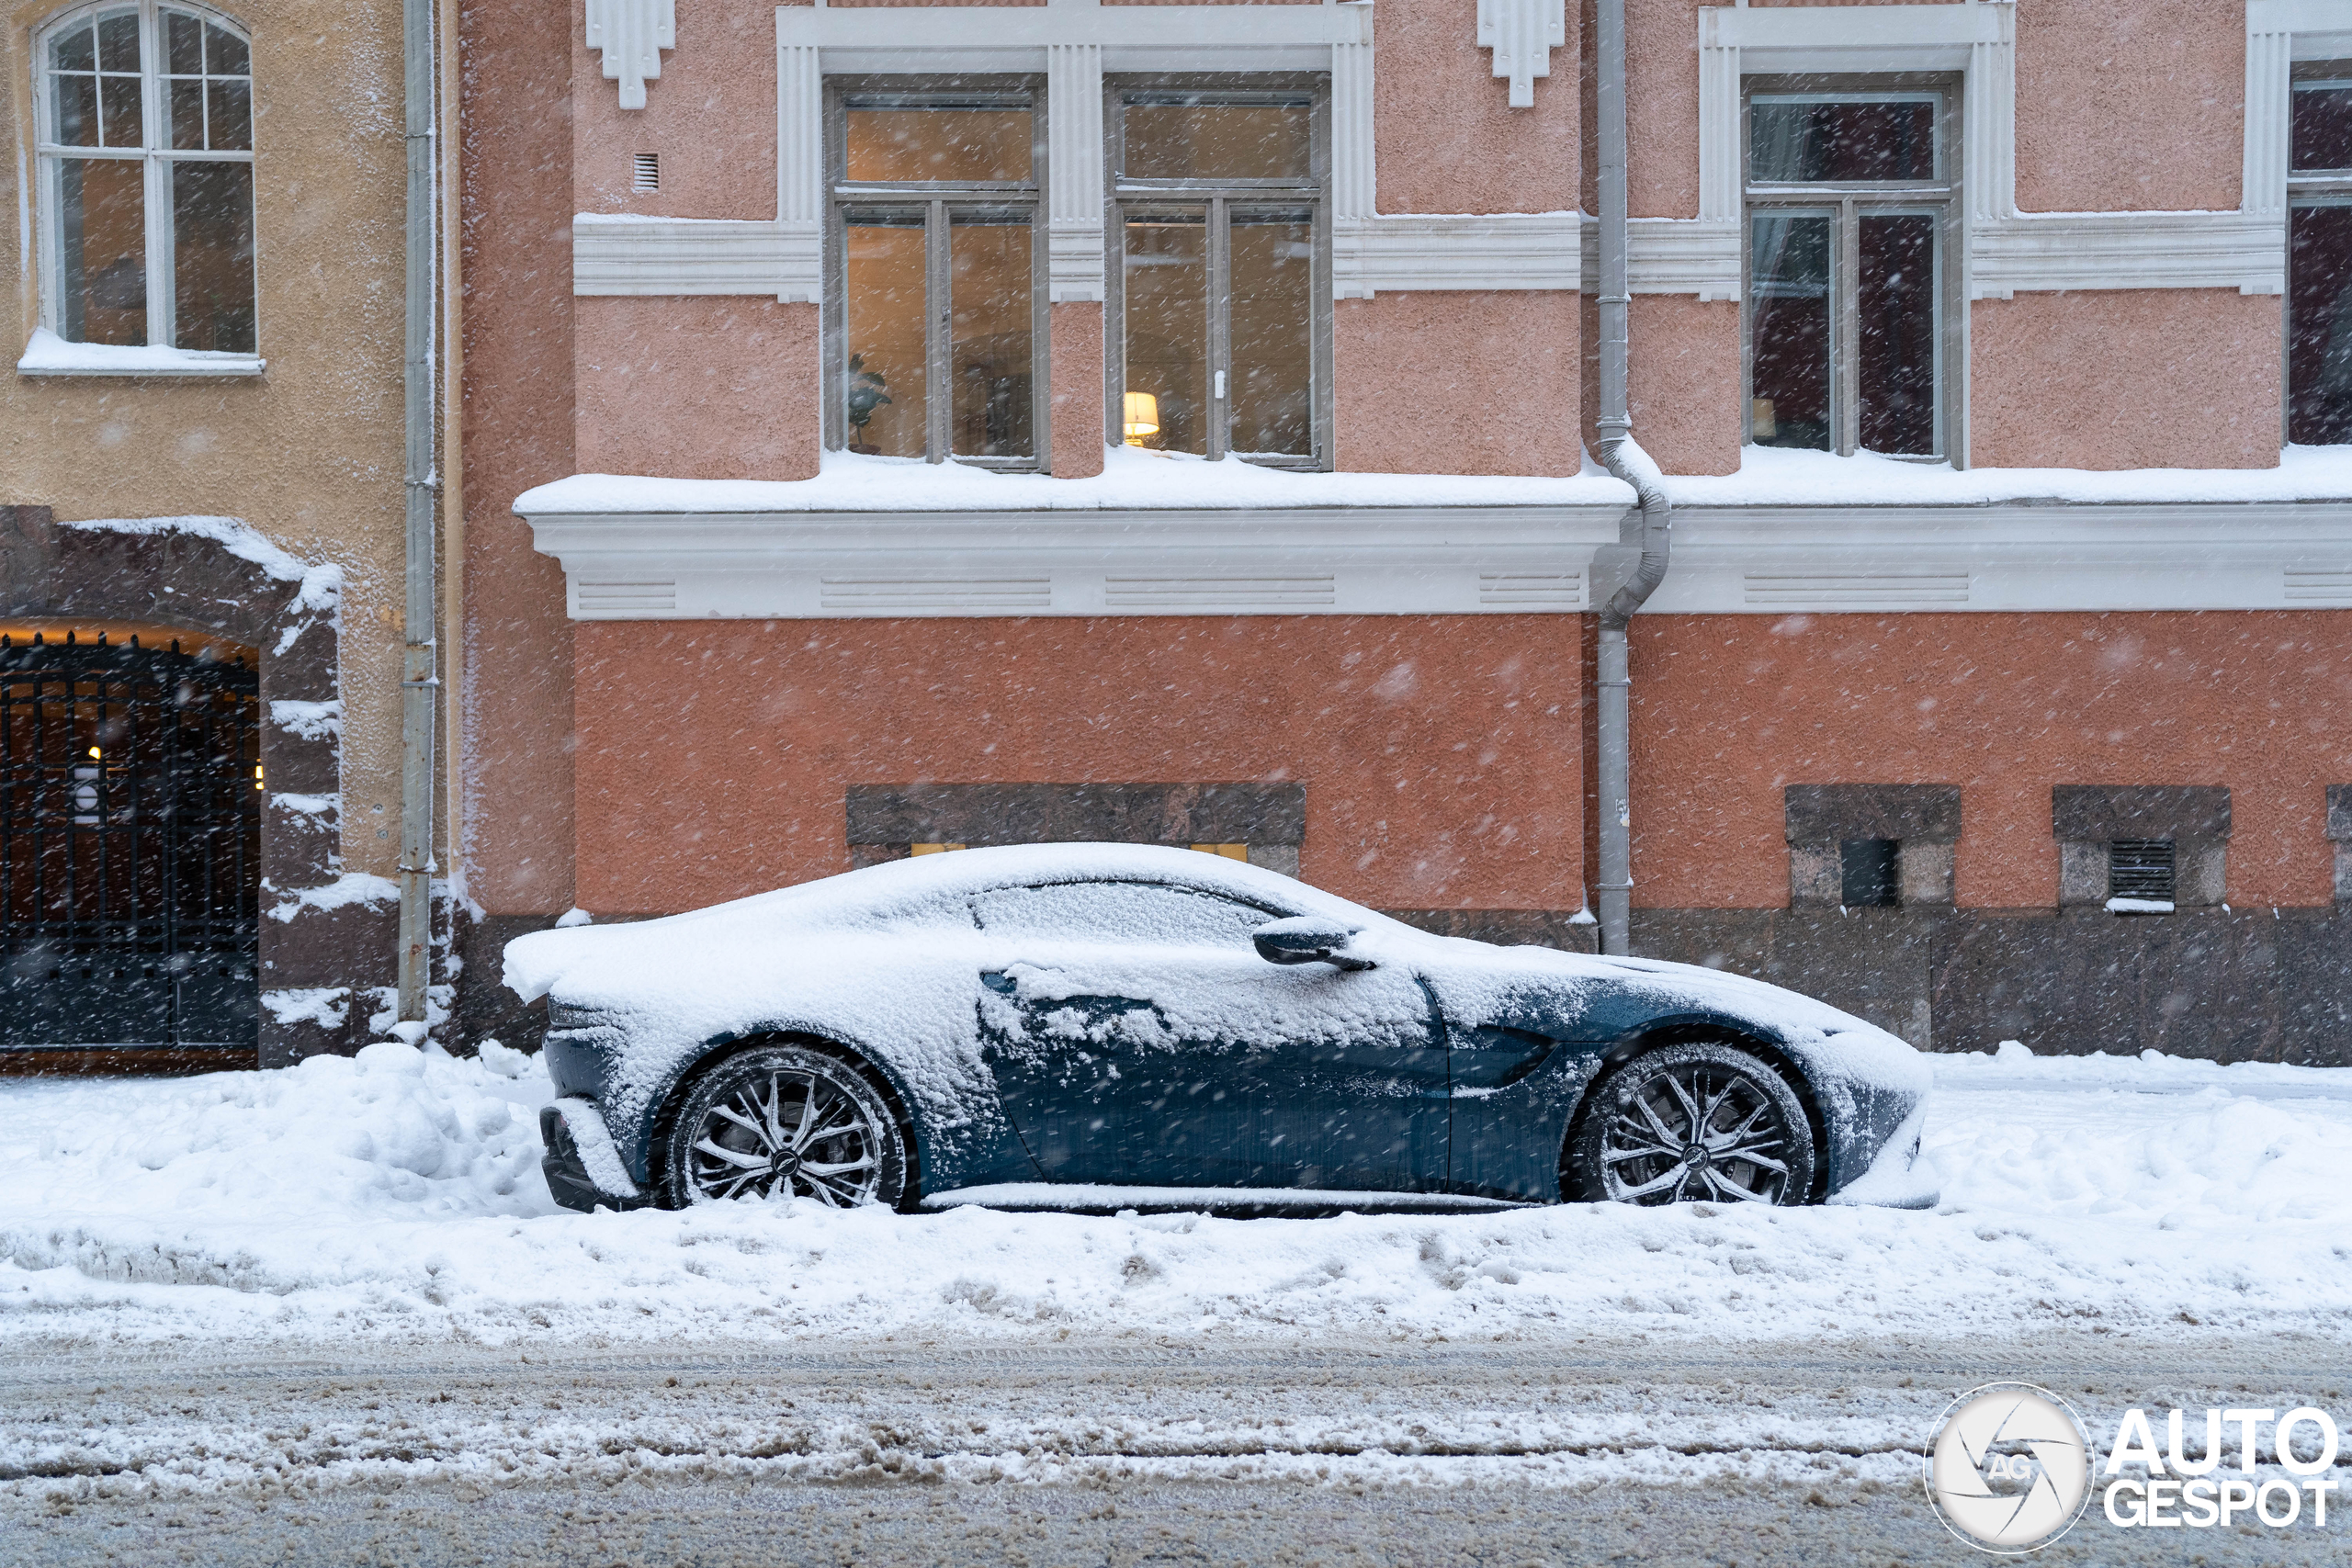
(1143, 913)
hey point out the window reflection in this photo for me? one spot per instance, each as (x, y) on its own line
(1895, 333)
(1790, 303)
(1807, 141)
(884, 382)
(895, 144)
(1273, 256)
(989, 328)
(102, 234)
(2319, 314)
(1166, 270)
(1193, 140)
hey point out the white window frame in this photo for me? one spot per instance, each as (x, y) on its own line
(157, 158)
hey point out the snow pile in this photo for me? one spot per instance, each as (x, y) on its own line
(399, 1194)
(241, 1180)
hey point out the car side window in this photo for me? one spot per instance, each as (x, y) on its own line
(1121, 912)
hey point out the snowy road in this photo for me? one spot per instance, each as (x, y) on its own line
(330, 1315)
(1580, 1451)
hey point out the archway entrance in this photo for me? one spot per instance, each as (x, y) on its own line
(131, 796)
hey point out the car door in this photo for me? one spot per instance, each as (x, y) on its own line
(1137, 1038)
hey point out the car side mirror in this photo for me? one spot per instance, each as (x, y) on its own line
(1309, 938)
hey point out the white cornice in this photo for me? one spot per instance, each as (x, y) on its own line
(1534, 249)
(659, 256)
(1783, 559)
(1330, 561)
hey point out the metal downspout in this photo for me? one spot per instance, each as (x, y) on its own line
(419, 682)
(1623, 456)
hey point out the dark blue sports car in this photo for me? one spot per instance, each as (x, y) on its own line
(1107, 1026)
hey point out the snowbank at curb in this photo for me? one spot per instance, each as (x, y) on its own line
(398, 1194)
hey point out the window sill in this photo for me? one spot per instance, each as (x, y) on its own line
(48, 355)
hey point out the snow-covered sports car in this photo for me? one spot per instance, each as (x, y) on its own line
(1103, 1025)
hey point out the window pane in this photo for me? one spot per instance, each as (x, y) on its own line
(1790, 308)
(1895, 295)
(1273, 260)
(1218, 141)
(101, 233)
(233, 126)
(119, 99)
(76, 51)
(182, 44)
(2319, 315)
(989, 279)
(2322, 138)
(1166, 268)
(895, 144)
(188, 115)
(212, 256)
(118, 41)
(227, 55)
(884, 391)
(77, 110)
(1813, 142)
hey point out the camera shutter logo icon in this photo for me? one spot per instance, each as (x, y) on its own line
(2011, 1471)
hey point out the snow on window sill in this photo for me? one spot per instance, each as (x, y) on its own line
(2139, 905)
(49, 354)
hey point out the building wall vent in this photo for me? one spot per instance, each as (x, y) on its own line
(645, 172)
(2140, 871)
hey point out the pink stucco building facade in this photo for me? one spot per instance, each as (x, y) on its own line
(873, 398)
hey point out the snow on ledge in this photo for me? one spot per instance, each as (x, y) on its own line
(1140, 480)
(1131, 479)
(1771, 476)
(320, 583)
(352, 887)
(49, 354)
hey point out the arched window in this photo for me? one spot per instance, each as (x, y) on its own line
(146, 141)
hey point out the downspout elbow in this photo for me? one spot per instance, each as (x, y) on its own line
(1622, 456)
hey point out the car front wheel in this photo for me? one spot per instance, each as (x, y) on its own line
(1700, 1120)
(785, 1122)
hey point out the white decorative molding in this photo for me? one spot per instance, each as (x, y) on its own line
(2006, 557)
(2269, 70)
(648, 256)
(1674, 255)
(2247, 252)
(1132, 38)
(1537, 250)
(1346, 560)
(1353, 193)
(1074, 172)
(1523, 34)
(632, 34)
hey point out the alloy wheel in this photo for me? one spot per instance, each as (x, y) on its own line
(1697, 1129)
(786, 1131)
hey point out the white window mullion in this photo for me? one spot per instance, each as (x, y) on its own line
(154, 134)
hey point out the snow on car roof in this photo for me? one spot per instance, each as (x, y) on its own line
(857, 899)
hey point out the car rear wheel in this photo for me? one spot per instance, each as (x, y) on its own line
(785, 1122)
(1700, 1120)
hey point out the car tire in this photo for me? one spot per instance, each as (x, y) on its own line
(1700, 1121)
(786, 1121)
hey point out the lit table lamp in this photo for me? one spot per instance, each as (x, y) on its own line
(1141, 418)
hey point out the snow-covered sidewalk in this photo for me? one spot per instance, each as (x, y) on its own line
(400, 1195)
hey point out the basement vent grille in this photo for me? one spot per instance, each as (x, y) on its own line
(645, 172)
(2140, 868)
(619, 599)
(1880, 588)
(1218, 592)
(1530, 590)
(936, 594)
(2319, 587)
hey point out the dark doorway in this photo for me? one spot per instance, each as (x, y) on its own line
(131, 795)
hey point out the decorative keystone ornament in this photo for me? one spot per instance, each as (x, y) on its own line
(1523, 34)
(632, 34)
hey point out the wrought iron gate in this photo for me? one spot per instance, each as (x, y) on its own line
(131, 795)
